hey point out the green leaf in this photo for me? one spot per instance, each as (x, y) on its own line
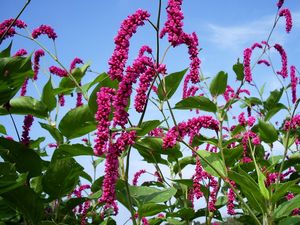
(2, 129)
(11, 181)
(168, 86)
(216, 167)
(67, 151)
(274, 98)
(26, 160)
(61, 177)
(26, 201)
(267, 131)
(147, 126)
(274, 110)
(13, 73)
(249, 188)
(55, 133)
(77, 122)
(197, 102)
(238, 68)
(282, 190)
(151, 195)
(77, 73)
(105, 82)
(154, 147)
(189, 160)
(286, 208)
(151, 209)
(293, 220)
(48, 97)
(261, 184)
(218, 84)
(26, 105)
(6, 52)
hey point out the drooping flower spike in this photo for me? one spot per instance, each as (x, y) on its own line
(288, 19)
(129, 26)
(294, 82)
(44, 29)
(284, 68)
(36, 62)
(20, 52)
(28, 120)
(11, 32)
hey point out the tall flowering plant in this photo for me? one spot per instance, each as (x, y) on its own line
(225, 160)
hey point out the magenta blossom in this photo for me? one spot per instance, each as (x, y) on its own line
(28, 120)
(137, 176)
(284, 69)
(20, 52)
(58, 71)
(294, 82)
(44, 29)
(247, 64)
(128, 27)
(11, 32)
(263, 61)
(288, 19)
(37, 55)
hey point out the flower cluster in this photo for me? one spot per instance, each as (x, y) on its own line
(104, 99)
(191, 128)
(128, 27)
(231, 198)
(246, 138)
(288, 19)
(36, 62)
(288, 197)
(294, 82)
(144, 83)
(176, 36)
(263, 61)
(112, 169)
(58, 71)
(20, 52)
(44, 29)
(137, 176)
(284, 69)
(74, 63)
(292, 123)
(28, 120)
(157, 132)
(247, 64)
(11, 32)
(125, 89)
(24, 87)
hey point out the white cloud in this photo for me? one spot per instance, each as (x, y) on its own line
(236, 37)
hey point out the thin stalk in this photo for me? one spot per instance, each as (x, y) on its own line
(12, 119)
(127, 188)
(17, 17)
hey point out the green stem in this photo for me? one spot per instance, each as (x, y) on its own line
(127, 188)
(17, 17)
(12, 119)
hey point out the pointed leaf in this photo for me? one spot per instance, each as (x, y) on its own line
(286, 208)
(48, 97)
(169, 85)
(216, 167)
(67, 151)
(26, 105)
(267, 131)
(238, 68)
(218, 84)
(197, 102)
(61, 177)
(55, 133)
(77, 122)
(147, 126)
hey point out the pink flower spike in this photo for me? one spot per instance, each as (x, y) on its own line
(137, 176)
(256, 45)
(6, 23)
(37, 55)
(74, 63)
(58, 71)
(294, 82)
(284, 69)
(119, 58)
(263, 61)
(28, 120)
(24, 87)
(280, 3)
(20, 52)
(44, 29)
(61, 100)
(247, 64)
(104, 100)
(288, 19)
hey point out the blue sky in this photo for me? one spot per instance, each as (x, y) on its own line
(86, 30)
